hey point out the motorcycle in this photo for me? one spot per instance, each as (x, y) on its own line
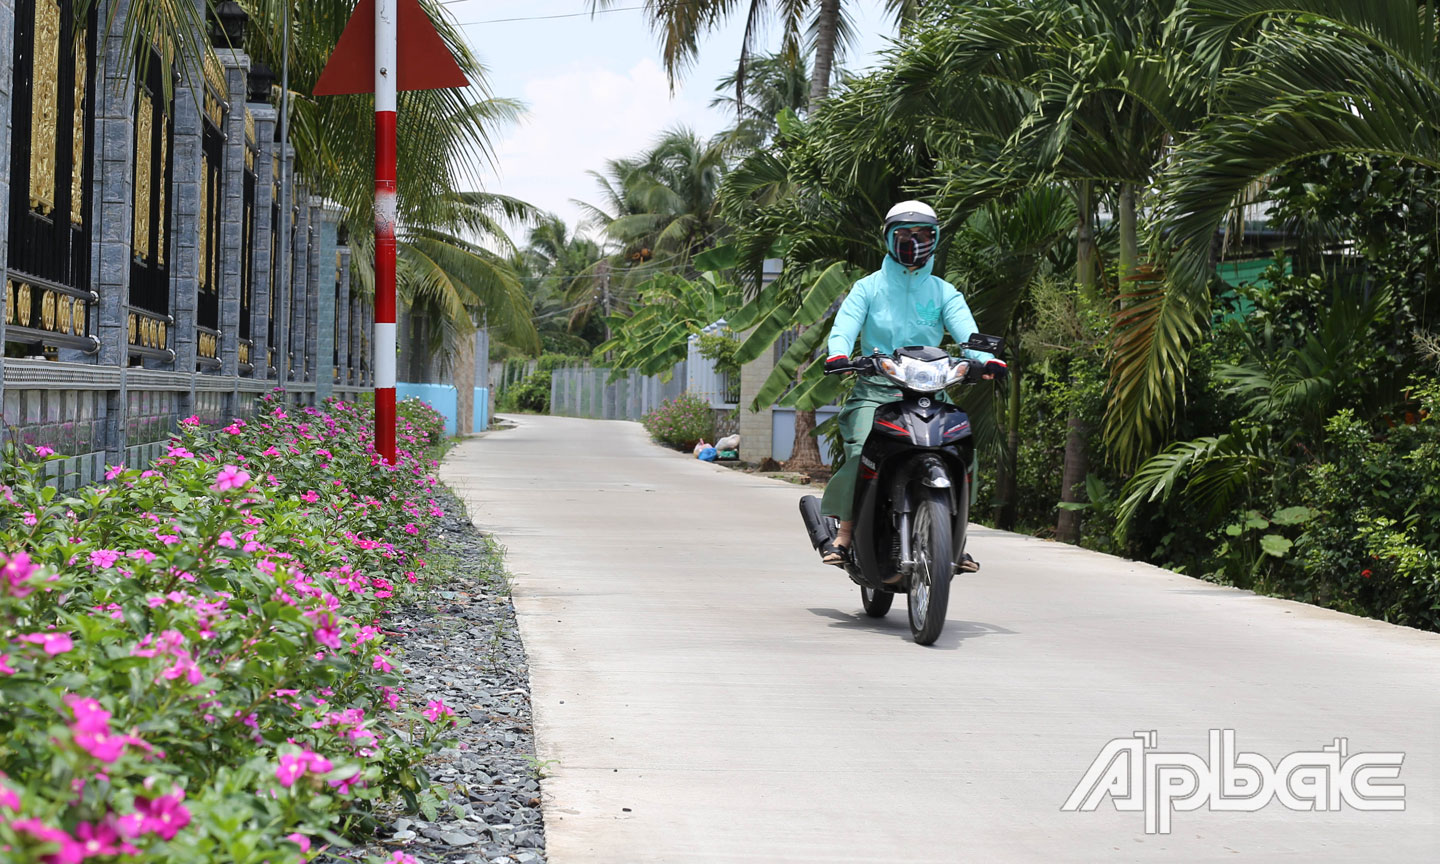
(912, 498)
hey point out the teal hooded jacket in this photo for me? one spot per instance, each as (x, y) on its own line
(894, 307)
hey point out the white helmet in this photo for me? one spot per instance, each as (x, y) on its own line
(917, 247)
(910, 213)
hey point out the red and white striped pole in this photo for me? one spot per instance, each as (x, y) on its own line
(384, 341)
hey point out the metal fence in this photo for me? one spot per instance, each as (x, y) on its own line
(588, 391)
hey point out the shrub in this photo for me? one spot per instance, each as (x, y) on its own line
(192, 665)
(427, 424)
(681, 422)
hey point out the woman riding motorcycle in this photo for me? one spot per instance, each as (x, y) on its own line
(901, 304)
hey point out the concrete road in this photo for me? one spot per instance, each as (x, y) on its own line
(706, 691)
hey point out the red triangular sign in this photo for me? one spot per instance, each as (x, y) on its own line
(424, 60)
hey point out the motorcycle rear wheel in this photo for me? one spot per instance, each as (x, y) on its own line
(876, 603)
(930, 580)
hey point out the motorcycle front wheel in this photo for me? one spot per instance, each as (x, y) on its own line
(930, 580)
(876, 603)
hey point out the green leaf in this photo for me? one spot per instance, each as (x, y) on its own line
(720, 258)
(1294, 516)
(1255, 520)
(828, 287)
(1274, 544)
(1074, 506)
(1234, 530)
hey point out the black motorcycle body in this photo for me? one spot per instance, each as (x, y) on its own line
(912, 496)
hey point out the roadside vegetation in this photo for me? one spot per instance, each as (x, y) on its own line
(193, 657)
(1206, 229)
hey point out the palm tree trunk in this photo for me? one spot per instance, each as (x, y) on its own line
(827, 29)
(1129, 241)
(1008, 487)
(1075, 465)
(806, 454)
(1072, 478)
(1085, 253)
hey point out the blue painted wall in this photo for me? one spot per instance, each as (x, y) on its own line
(441, 397)
(482, 409)
(782, 432)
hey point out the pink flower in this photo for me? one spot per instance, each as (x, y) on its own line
(53, 642)
(99, 840)
(226, 539)
(294, 765)
(70, 851)
(410, 528)
(113, 471)
(232, 429)
(29, 519)
(17, 569)
(326, 631)
(5, 667)
(43, 451)
(435, 709)
(381, 663)
(291, 768)
(8, 799)
(104, 558)
(299, 840)
(310, 495)
(164, 816)
(231, 477)
(402, 858)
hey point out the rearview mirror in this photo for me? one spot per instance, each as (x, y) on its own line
(988, 344)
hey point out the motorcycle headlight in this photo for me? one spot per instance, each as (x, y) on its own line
(922, 376)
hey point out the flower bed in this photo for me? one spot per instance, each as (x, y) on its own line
(192, 660)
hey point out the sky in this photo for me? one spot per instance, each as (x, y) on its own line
(595, 88)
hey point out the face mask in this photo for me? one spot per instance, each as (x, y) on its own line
(912, 251)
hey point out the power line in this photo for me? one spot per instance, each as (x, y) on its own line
(546, 17)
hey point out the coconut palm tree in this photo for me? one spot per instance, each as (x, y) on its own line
(562, 269)
(776, 83)
(660, 207)
(822, 23)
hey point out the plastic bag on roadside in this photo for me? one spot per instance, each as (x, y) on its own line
(708, 454)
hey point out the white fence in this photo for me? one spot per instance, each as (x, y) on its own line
(587, 391)
(702, 379)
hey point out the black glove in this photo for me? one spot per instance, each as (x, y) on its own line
(996, 369)
(838, 363)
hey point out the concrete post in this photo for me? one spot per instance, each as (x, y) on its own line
(185, 188)
(111, 212)
(7, 38)
(260, 251)
(342, 337)
(325, 276)
(232, 213)
(285, 287)
(367, 340)
(357, 338)
(756, 431)
(299, 283)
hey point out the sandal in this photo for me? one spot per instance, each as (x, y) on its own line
(830, 553)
